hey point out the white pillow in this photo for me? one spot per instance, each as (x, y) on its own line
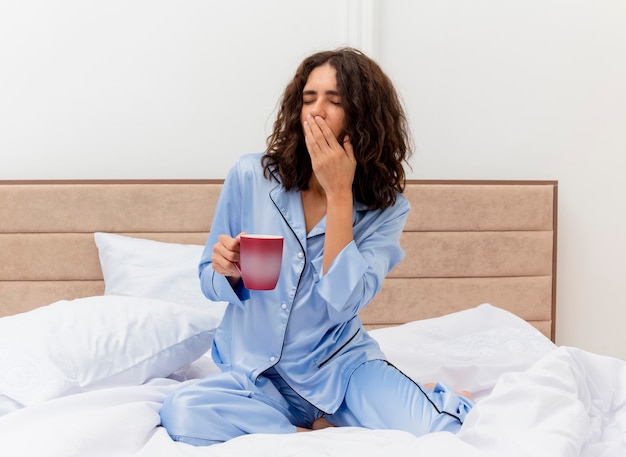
(145, 268)
(96, 342)
(467, 350)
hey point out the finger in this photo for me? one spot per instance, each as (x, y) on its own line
(309, 138)
(222, 265)
(315, 129)
(227, 244)
(347, 146)
(326, 132)
(226, 248)
(321, 133)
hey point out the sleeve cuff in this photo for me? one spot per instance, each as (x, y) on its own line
(225, 292)
(345, 273)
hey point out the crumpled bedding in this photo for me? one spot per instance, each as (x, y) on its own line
(534, 399)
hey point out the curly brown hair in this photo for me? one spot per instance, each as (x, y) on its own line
(374, 121)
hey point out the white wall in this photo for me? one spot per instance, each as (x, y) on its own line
(149, 88)
(531, 89)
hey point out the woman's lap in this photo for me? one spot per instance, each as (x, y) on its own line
(226, 405)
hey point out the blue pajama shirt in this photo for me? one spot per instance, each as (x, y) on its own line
(299, 352)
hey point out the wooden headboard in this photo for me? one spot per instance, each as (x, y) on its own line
(467, 242)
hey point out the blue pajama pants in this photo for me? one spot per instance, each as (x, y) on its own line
(379, 396)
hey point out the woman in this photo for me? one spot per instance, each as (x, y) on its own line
(297, 357)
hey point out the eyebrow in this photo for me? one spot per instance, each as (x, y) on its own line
(314, 92)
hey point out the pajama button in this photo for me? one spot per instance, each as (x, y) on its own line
(272, 359)
(283, 306)
(300, 255)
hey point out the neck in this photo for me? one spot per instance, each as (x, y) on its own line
(315, 188)
(313, 203)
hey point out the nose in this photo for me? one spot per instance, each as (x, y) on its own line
(317, 109)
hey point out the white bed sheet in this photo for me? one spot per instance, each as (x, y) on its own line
(534, 400)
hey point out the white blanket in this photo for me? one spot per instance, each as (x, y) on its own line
(533, 400)
(569, 403)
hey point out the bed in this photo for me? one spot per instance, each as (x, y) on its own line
(102, 317)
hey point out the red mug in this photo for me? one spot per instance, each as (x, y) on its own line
(260, 260)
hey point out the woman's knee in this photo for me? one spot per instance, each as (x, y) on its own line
(220, 408)
(381, 396)
(195, 413)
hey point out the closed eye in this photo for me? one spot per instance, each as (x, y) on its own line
(310, 96)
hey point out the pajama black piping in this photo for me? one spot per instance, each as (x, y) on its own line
(422, 390)
(338, 350)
